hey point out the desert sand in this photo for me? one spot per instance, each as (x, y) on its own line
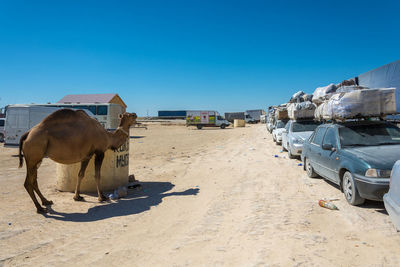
(209, 197)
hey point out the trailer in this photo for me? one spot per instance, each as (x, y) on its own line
(205, 118)
(172, 114)
(231, 116)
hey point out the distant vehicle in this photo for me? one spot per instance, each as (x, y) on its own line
(263, 118)
(21, 118)
(231, 116)
(205, 118)
(249, 119)
(255, 114)
(172, 114)
(279, 127)
(392, 198)
(294, 135)
(2, 134)
(357, 155)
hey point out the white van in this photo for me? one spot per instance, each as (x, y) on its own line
(21, 118)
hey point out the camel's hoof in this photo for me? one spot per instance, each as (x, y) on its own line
(103, 198)
(47, 203)
(79, 198)
(42, 210)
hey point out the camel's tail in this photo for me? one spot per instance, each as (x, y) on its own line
(21, 142)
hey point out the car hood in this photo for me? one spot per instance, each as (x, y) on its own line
(302, 135)
(380, 157)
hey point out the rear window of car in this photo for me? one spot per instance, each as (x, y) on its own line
(280, 124)
(369, 135)
(318, 136)
(304, 126)
(2, 123)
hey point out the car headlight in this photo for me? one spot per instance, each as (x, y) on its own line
(378, 173)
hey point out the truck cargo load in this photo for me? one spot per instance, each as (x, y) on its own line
(360, 103)
(323, 93)
(281, 114)
(303, 110)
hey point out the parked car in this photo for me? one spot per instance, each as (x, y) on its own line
(270, 126)
(294, 135)
(2, 132)
(358, 156)
(279, 127)
(392, 198)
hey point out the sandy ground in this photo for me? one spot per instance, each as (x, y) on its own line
(210, 198)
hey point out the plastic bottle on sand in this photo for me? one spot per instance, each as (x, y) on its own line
(328, 205)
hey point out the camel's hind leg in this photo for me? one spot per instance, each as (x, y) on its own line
(30, 181)
(97, 166)
(45, 202)
(81, 174)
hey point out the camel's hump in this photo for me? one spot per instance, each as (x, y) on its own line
(66, 114)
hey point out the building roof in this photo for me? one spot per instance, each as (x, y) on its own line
(93, 98)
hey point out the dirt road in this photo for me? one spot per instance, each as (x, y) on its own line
(210, 198)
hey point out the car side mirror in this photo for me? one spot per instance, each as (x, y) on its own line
(328, 147)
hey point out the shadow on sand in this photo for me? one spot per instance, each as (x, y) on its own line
(135, 202)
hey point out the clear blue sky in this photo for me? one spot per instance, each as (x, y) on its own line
(220, 55)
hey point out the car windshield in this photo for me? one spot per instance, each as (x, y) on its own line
(280, 124)
(304, 126)
(369, 135)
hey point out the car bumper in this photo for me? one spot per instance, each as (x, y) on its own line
(296, 149)
(371, 188)
(279, 138)
(393, 210)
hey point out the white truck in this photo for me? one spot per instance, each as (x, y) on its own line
(21, 118)
(205, 118)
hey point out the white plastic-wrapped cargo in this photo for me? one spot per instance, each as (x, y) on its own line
(303, 110)
(297, 97)
(360, 103)
(324, 111)
(323, 93)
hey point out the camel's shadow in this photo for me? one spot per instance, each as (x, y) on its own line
(135, 202)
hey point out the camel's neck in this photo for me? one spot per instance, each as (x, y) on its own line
(118, 137)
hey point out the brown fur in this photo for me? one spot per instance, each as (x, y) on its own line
(68, 136)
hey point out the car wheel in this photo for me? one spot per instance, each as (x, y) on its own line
(309, 169)
(199, 127)
(1, 138)
(290, 154)
(223, 126)
(350, 190)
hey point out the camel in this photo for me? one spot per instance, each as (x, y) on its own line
(69, 136)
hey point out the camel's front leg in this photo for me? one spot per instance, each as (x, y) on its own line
(97, 166)
(81, 174)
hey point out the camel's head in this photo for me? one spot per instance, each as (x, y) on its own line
(127, 119)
